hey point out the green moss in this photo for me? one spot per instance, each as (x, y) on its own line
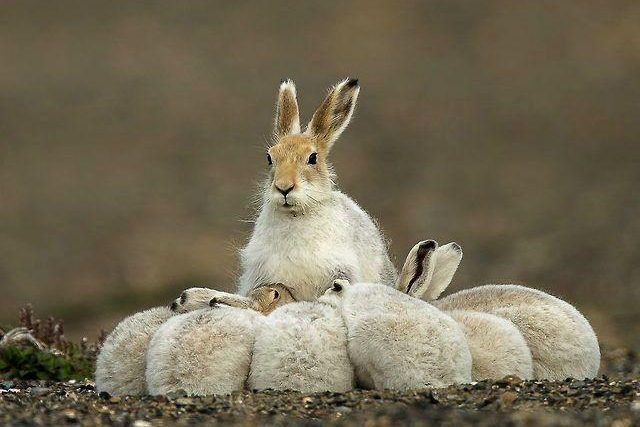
(28, 363)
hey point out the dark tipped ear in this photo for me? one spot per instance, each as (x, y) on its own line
(334, 114)
(273, 294)
(287, 114)
(417, 271)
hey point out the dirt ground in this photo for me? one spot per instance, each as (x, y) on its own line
(611, 399)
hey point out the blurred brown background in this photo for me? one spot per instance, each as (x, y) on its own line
(132, 135)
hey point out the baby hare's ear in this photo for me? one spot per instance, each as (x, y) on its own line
(339, 285)
(446, 259)
(417, 271)
(335, 112)
(287, 113)
(273, 295)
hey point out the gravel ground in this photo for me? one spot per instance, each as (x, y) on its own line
(612, 399)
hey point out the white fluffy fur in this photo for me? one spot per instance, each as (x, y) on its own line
(335, 240)
(203, 352)
(399, 342)
(302, 346)
(497, 347)
(561, 340)
(121, 363)
(446, 259)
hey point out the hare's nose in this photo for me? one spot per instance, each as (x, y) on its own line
(286, 191)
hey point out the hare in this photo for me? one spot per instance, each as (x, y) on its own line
(395, 341)
(561, 340)
(121, 363)
(202, 352)
(497, 347)
(302, 346)
(264, 299)
(307, 233)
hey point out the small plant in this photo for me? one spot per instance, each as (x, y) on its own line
(29, 363)
(39, 350)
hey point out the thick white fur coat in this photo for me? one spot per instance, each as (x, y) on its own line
(121, 363)
(302, 346)
(497, 347)
(335, 240)
(399, 342)
(562, 342)
(203, 352)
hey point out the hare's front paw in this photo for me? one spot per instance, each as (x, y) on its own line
(193, 299)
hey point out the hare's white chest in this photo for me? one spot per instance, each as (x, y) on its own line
(304, 253)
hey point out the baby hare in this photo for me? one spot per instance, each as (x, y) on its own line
(264, 299)
(398, 342)
(307, 232)
(302, 346)
(202, 352)
(497, 347)
(561, 340)
(121, 363)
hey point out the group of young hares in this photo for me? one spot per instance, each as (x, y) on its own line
(320, 306)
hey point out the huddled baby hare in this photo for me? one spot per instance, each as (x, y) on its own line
(561, 340)
(202, 352)
(121, 363)
(398, 342)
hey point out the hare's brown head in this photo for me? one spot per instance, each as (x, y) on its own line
(300, 175)
(268, 298)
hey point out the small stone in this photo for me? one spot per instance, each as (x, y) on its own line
(115, 399)
(70, 415)
(508, 397)
(176, 394)
(184, 401)
(141, 423)
(39, 391)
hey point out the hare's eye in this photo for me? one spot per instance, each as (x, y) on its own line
(276, 295)
(313, 158)
(269, 159)
(337, 287)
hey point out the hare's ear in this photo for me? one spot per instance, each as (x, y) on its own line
(333, 115)
(287, 113)
(446, 259)
(417, 271)
(273, 295)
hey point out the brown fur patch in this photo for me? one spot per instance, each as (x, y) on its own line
(290, 156)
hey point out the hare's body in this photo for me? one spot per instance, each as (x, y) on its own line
(121, 363)
(399, 342)
(202, 352)
(307, 252)
(561, 340)
(497, 347)
(302, 346)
